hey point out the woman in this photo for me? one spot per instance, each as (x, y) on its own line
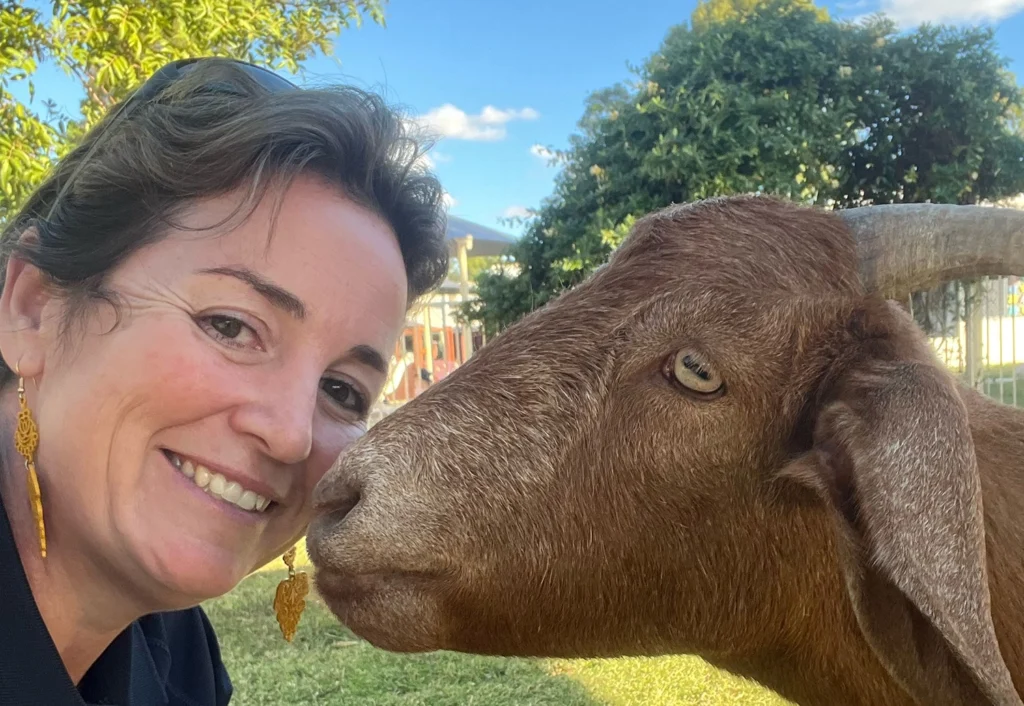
(197, 310)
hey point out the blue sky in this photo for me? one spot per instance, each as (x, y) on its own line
(501, 78)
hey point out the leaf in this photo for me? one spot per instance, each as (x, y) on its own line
(110, 45)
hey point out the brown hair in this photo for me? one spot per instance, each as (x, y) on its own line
(211, 131)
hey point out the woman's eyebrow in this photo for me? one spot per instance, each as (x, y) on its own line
(369, 356)
(282, 298)
(276, 295)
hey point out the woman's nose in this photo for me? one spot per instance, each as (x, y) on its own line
(281, 415)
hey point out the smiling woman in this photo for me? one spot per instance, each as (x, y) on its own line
(195, 313)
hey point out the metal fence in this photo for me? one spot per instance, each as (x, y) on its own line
(977, 329)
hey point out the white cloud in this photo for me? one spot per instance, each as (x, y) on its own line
(516, 212)
(488, 125)
(449, 200)
(909, 13)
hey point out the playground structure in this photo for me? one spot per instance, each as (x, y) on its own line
(434, 342)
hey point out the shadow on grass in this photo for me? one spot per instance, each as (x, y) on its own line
(326, 664)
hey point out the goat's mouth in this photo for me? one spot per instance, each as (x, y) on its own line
(396, 611)
(388, 593)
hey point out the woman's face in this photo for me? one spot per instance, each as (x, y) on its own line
(179, 446)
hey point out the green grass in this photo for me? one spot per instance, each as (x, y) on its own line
(666, 681)
(327, 664)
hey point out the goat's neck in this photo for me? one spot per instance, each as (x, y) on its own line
(820, 657)
(998, 433)
(811, 650)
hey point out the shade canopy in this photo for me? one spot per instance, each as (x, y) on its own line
(487, 242)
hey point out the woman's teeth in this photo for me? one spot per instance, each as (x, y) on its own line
(218, 486)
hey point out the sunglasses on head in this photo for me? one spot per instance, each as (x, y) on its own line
(169, 73)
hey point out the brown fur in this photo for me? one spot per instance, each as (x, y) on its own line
(843, 524)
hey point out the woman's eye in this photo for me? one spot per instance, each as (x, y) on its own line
(230, 331)
(344, 394)
(226, 326)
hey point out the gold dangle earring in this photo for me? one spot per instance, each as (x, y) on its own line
(290, 600)
(26, 440)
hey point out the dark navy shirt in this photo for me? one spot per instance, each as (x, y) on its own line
(164, 659)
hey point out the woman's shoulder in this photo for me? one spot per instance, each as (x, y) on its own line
(186, 656)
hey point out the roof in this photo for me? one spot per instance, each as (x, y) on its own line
(486, 241)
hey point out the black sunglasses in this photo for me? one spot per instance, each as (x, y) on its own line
(169, 73)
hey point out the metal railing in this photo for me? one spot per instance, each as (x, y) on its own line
(977, 329)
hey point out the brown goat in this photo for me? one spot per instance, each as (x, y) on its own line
(726, 442)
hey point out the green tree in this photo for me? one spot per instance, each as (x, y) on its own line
(109, 46)
(940, 121)
(771, 97)
(711, 12)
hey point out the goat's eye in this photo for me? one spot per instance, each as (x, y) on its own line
(694, 373)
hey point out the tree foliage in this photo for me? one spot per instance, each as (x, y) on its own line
(109, 46)
(770, 96)
(709, 13)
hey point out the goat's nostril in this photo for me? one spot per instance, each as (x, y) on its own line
(338, 500)
(346, 504)
(339, 507)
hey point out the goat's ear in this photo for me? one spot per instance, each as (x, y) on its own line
(894, 460)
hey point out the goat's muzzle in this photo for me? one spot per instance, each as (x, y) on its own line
(374, 568)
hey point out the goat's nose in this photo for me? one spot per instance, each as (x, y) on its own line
(337, 494)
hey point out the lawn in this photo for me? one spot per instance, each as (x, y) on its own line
(326, 664)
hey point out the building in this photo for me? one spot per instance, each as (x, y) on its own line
(433, 342)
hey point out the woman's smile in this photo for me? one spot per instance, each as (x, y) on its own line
(238, 494)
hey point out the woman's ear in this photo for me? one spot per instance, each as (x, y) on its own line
(26, 301)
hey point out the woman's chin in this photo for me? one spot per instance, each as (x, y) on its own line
(195, 551)
(194, 572)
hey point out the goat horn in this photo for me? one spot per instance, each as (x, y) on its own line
(905, 248)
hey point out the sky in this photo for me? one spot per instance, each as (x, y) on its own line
(502, 82)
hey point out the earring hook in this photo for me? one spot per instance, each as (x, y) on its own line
(17, 371)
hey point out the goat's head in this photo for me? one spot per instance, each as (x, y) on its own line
(695, 450)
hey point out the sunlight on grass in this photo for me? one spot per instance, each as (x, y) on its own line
(327, 664)
(666, 681)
